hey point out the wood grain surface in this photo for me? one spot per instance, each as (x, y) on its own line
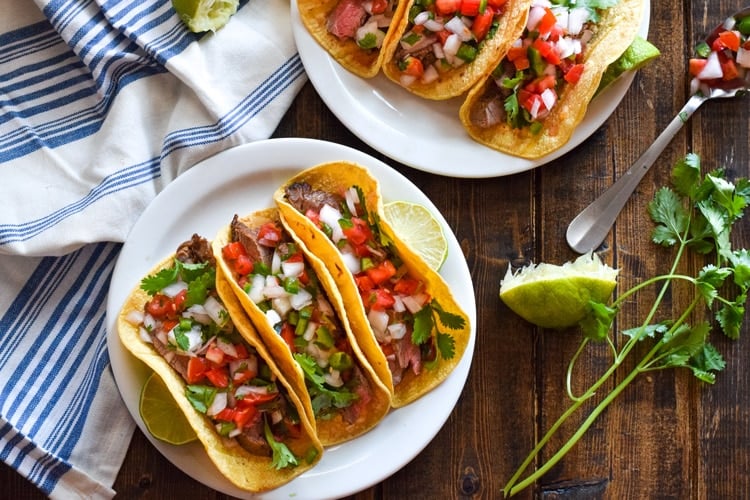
(667, 436)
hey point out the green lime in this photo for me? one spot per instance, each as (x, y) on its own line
(417, 227)
(163, 418)
(205, 15)
(637, 55)
(554, 296)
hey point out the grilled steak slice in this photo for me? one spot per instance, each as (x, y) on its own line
(302, 197)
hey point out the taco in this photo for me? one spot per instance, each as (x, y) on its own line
(445, 47)
(404, 317)
(535, 98)
(249, 419)
(353, 32)
(296, 309)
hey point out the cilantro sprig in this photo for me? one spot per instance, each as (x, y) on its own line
(695, 218)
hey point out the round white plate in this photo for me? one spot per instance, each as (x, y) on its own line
(428, 135)
(203, 200)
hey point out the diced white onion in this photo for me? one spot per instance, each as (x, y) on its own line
(216, 311)
(712, 69)
(535, 107)
(381, 20)
(561, 14)
(135, 317)
(437, 49)
(194, 337)
(143, 333)
(300, 299)
(272, 288)
(549, 98)
(218, 404)
(536, 13)
(398, 304)
(451, 45)
(173, 289)
(246, 390)
(430, 74)
(309, 332)
(379, 322)
(406, 80)
(282, 305)
(273, 317)
(330, 216)
(275, 262)
(397, 330)
(149, 322)
(333, 378)
(422, 17)
(352, 198)
(457, 27)
(351, 262)
(577, 17)
(565, 47)
(227, 347)
(413, 303)
(198, 313)
(250, 364)
(233, 433)
(256, 288)
(434, 26)
(292, 269)
(276, 417)
(743, 57)
(371, 28)
(162, 337)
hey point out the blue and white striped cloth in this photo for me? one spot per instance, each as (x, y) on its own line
(102, 103)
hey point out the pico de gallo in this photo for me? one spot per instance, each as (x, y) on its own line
(227, 381)
(364, 21)
(399, 308)
(444, 34)
(723, 60)
(547, 57)
(275, 274)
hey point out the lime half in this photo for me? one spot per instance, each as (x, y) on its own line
(163, 418)
(205, 15)
(417, 227)
(554, 296)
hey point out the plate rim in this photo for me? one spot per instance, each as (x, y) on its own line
(118, 292)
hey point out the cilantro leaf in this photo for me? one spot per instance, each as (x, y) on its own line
(198, 288)
(446, 344)
(424, 323)
(598, 320)
(200, 396)
(282, 455)
(724, 196)
(322, 398)
(730, 317)
(740, 260)
(686, 175)
(670, 216)
(155, 283)
(448, 319)
(649, 331)
(709, 279)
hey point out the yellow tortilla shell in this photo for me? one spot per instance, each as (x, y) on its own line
(243, 469)
(617, 28)
(456, 81)
(333, 430)
(361, 62)
(335, 177)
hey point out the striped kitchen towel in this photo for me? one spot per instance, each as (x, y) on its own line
(103, 103)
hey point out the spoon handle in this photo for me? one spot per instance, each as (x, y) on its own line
(587, 231)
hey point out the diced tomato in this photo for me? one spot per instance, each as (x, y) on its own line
(160, 306)
(387, 349)
(445, 7)
(254, 398)
(242, 352)
(287, 333)
(727, 40)
(225, 415)
(296, 257)
(233, 250)
(313, 216)
(528, 100)
(496, 3)
(540, 84)
(482, 23)
(381, 300)
(518, 56)
(360, 232)
(241, 376)
(442, 36)
(269, 234)
(469, 7)
(547, 22)
(381, 272)
(179, 300)
(364, 283)
(547, 50)
(406, 286)
(196, 370)
(574, 73)
(242, 416)
(413, 67)
(218, 377)
(379, 6)
(168, 324)
(304, 278)
(728, 68)
(555, 33)
(243, 265)
(696, 65)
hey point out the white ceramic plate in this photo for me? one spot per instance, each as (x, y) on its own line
(203, 200)
(428, 135)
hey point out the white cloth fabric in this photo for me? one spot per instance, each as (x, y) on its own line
(103, 103)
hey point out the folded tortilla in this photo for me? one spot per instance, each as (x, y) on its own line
(616, 29)
(316, 16)
(248, 471)
(372, 401)
(454, 81)
(336, 178)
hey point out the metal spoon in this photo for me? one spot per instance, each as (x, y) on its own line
(589, 229)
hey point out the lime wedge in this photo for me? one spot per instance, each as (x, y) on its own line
(163, 418)
(554, 296)
(418, 228)
(205, 15)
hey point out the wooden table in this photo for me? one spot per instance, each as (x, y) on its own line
(667, 435)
